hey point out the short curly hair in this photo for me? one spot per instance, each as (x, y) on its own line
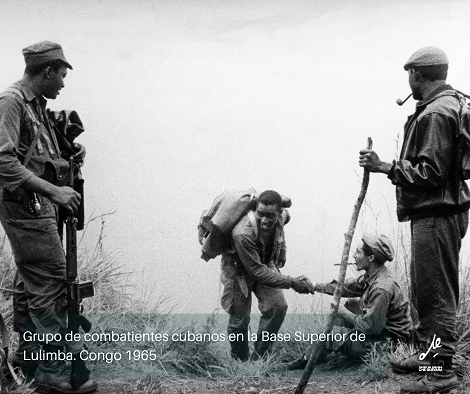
(271, 197)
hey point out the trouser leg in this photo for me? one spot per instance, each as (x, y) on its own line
(434, 271)
(40, 261)
(237, 328)
(237, 331)
(20, 304)
(273, 308)
(22, 323)
(346, 340)
(342, 339)
(26, 355)
(237, 303)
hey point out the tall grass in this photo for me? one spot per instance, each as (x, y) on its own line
(121, 307)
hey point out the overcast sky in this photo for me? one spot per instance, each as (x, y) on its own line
(182, 99)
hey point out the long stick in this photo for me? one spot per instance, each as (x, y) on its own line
(339, 287)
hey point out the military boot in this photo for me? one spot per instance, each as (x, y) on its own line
(80, 374)
(26, 358)
(410, 364)
(51, 376)
(302, 362)
(441, 379)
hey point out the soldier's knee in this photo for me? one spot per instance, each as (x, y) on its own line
(355, 349)
(278, 308)
(283, 308)
(238, 322)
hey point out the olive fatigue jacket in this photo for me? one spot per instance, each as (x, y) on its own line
(384, 307)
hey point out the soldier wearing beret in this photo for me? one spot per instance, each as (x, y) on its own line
(377, 305)
(433, 196)
(30, 171)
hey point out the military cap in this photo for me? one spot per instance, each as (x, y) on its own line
(381, 247)
(427, 56)
(42, 52)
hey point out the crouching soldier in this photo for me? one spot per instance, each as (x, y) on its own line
(381, 312)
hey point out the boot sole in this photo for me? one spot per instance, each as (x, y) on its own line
(441, 391)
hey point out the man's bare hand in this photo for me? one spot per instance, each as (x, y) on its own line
(353, 305)
(66, 197)
(369, 160)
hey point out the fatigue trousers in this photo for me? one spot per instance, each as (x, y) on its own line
(348, 345)
(39, 301)
(237, 300)
(434, 271)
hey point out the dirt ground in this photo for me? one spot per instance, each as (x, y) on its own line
(322, 382)
(121, 379)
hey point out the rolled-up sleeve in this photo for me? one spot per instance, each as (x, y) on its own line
(12, 173)
(249, 257)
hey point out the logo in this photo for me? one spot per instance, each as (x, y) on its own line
(435, 344)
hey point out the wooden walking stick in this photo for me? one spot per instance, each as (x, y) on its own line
(339, 287)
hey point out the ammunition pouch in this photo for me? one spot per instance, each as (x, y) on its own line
(56, 172)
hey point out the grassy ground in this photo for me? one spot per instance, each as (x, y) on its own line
(181, 364)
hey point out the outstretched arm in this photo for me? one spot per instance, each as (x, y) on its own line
(351, 287)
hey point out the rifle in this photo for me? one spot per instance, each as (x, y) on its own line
(76, 291)
(67, 126)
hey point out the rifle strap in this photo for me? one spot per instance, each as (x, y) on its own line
(251, 216)
(14, 92)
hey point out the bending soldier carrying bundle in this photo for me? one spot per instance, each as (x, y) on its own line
(251, 259)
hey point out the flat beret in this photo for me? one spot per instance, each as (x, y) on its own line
(381, 247)
(427, 56)
(42, 52)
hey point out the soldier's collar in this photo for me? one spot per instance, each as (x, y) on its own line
(371, 278)
(433, 95)
(29, 95)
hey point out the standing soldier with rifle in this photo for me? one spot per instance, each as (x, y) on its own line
(33, 176)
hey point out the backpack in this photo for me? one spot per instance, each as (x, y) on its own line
(464, 135)
(216, 224)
